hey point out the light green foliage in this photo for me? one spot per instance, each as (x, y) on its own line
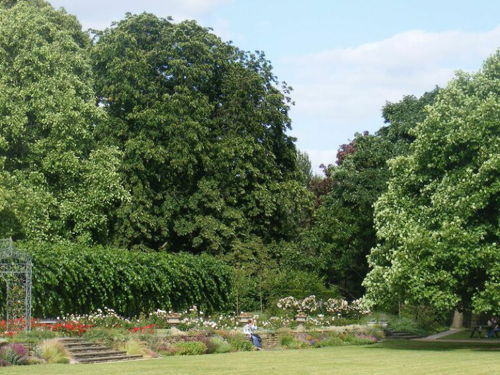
(289, 342)
(305, 168)
(190, 348)
(107, 336)
(220, 345)
(202, 127)
(134, 347)
(53, 351)
(76, 279)
(438, 223)
(33, 337)
(55, 182)
(239, 342)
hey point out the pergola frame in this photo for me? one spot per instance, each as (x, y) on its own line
(16, 272)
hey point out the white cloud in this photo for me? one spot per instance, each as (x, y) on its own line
(351, 83)
(99, 14)
(341, 91)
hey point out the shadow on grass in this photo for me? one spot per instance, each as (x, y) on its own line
(435, 345)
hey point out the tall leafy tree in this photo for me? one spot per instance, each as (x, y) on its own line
(203, 129)
(438, 223)
(60, 184)
(343, 230)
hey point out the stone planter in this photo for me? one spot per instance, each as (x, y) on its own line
(245, 317)
(301, 318)
(173, 318)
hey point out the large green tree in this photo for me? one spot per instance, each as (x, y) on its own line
(203, 129)
(58, 184)
(438, 223)
(343, 231)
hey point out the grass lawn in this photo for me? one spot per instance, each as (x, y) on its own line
(385, 358)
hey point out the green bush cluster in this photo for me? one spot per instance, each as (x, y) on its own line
(323, 339)
(190, 348)
(219, 345)
(78, 279)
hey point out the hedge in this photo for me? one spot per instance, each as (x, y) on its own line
(77, 279)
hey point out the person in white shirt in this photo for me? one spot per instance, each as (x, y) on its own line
(249, 330)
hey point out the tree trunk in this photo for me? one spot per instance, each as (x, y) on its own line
(458, 320)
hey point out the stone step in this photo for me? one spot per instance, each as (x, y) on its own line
(70, 339)
(81, 344)
(110, 358)
(98, 354)
(85, 352)
(84, 349)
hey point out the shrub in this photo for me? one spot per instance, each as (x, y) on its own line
(425, 317)
(286, 340)
(14, 354)
(330, 341)
(130, 282)
(106, 336)
(190, 348)
(53, 351)
(34, 336)
(406, 325)
(4, 363)
(299, 284)
(136, 347)
(360, 339)
(239, 342)
(289, 342)
(220, 345)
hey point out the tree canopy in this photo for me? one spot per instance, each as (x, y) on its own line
(438, 223)
(58, 183)
(202, 126)
(343, 231)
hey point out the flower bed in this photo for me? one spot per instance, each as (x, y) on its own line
(322, 323)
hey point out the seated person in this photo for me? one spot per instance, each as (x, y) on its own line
(249, 330)
(493, 327)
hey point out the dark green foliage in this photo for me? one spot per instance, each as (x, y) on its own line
(203, 129)
(402, 118)
(278, 283)
(71, 278)
(342, 233)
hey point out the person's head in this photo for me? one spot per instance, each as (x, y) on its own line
(250, 321)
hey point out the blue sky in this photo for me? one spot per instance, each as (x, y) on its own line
(344, 58)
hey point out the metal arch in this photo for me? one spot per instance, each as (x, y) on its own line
(16, 271)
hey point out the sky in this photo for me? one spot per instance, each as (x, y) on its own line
(344, 58)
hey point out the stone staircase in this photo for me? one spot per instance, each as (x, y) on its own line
(82, 351)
